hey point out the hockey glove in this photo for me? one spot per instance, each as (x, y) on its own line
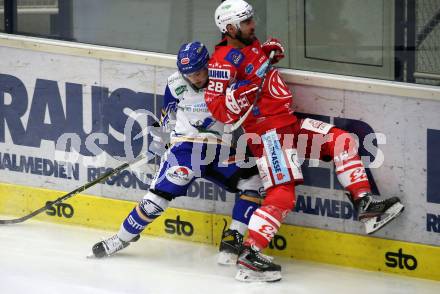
(240, 96)
(160, 140)
(273, 44)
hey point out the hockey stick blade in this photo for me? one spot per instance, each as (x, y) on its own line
(77, 190)
(239, 122)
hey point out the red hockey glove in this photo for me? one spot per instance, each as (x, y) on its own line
(273, 44)
(240, 96)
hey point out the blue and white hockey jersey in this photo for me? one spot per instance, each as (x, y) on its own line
(186, 115)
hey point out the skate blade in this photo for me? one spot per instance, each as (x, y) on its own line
(91, 256)
(225, 258)
(247, 275)
(375, 223)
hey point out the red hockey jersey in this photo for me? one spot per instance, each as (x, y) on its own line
(229, 65)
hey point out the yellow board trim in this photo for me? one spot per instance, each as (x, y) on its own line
(364, 252)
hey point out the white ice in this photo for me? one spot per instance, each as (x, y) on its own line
(37, 257)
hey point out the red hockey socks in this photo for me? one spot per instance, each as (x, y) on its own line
(263, 225)
(350, 170)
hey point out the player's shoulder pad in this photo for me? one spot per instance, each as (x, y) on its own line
(177, 84)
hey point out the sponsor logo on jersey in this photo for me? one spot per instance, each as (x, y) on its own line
(180, 90)
(277, 88)
(219, 74)
(179, 175)
(255, 50)
(235, 57)
(197, 107)
(249, 68)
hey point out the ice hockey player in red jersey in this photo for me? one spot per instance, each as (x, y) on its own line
(239, 65)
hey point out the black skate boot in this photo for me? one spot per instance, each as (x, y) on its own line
(110, 246)
(229, 247)
(253, 266)
(377, 213)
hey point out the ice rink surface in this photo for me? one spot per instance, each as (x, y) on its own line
(38, 257)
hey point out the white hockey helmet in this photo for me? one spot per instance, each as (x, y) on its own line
(232, 12)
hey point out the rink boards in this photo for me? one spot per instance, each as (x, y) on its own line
(365, 252)
(57, 95)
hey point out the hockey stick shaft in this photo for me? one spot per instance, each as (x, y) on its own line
(239, 122)
(76, 191)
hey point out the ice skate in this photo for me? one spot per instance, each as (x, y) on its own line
(377, 213)
(110, 246)
(256, 267)
(229, 247)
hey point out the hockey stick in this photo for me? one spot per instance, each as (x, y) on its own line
(77, 190)
(239, 122)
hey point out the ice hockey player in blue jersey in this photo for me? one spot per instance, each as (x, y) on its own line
(197, 150)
